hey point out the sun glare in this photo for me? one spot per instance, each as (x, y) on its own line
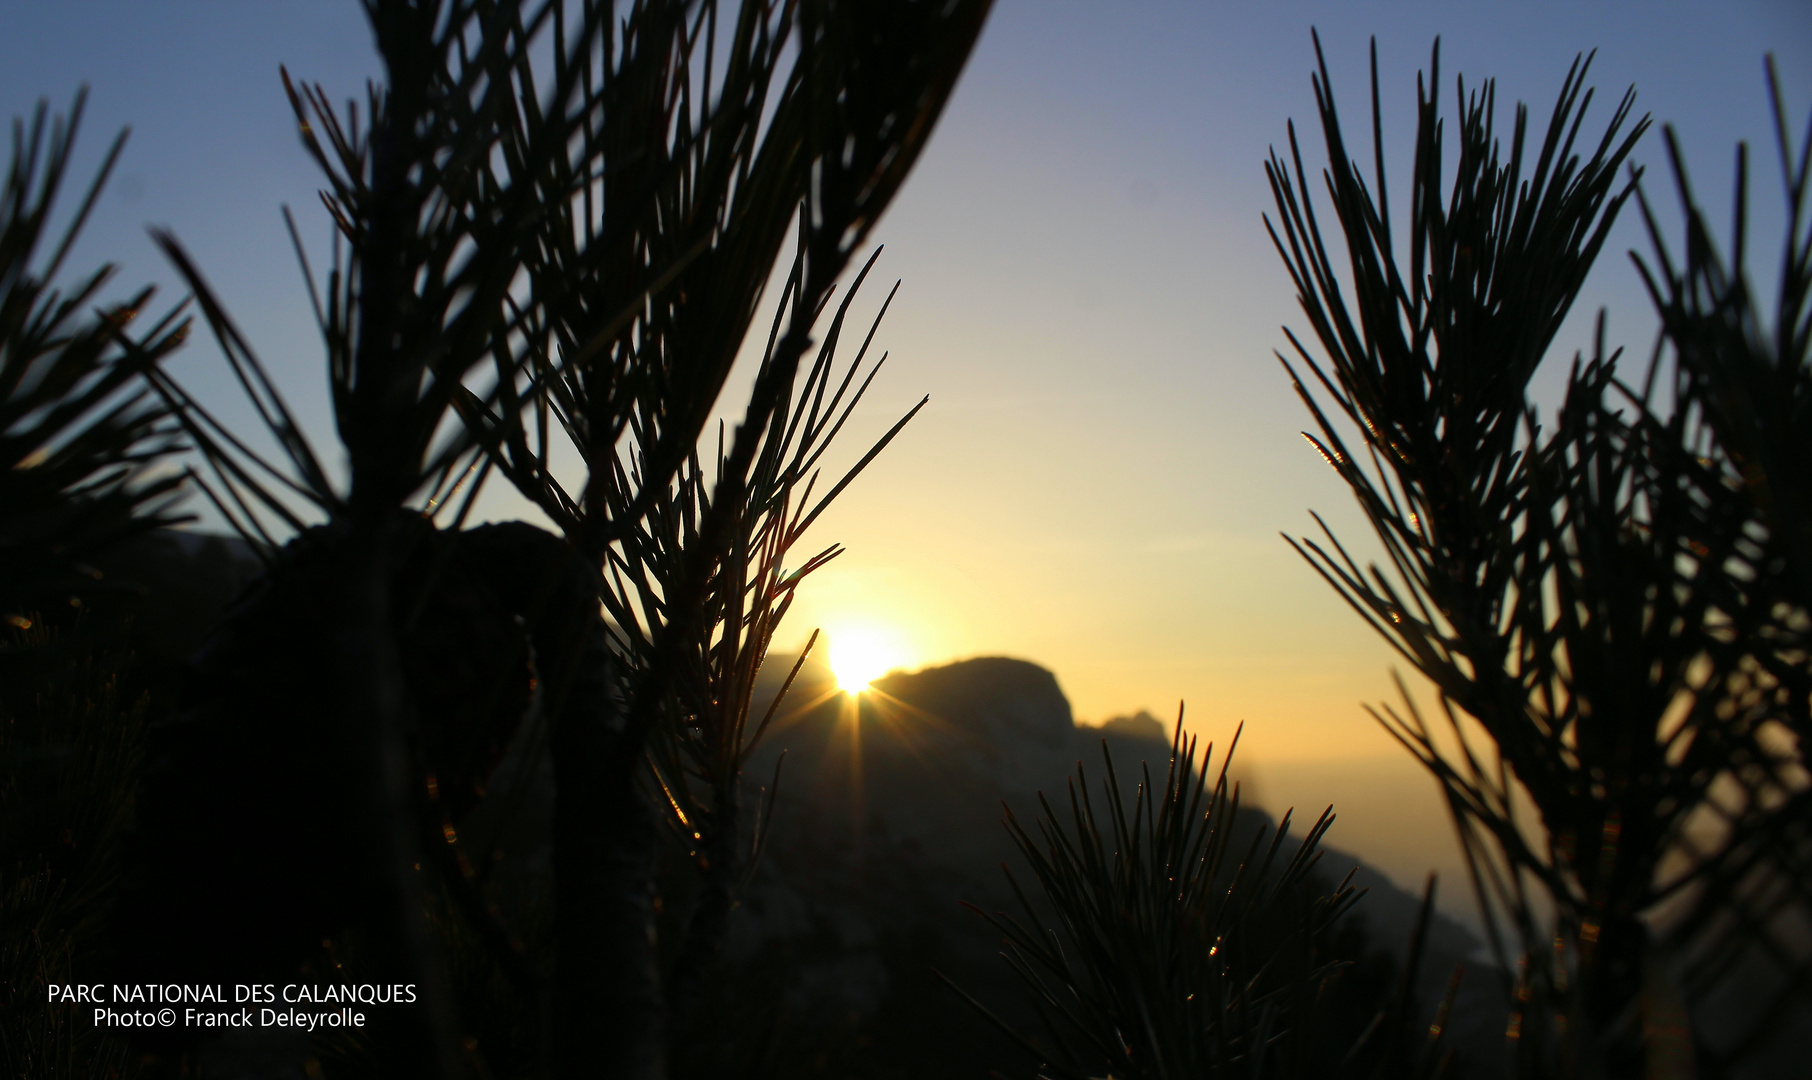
(858, 657)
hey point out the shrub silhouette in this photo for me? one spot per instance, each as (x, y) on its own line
(527, 251)
(1609, 609)
(80, 442)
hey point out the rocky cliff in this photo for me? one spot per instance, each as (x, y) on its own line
(889, 818)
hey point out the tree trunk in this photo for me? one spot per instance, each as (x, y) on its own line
(610, 1019)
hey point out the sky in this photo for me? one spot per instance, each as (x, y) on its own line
(1089, 297)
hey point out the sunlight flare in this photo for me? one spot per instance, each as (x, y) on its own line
(859, 655)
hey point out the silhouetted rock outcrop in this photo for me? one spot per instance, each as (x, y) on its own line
(890, 812)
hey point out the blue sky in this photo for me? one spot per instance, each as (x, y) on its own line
(1090, 300)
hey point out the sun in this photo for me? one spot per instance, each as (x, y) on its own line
(858, 656)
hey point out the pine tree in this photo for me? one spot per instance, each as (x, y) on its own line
(552, 229)
(1605, 604)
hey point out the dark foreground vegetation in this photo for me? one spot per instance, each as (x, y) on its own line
(367, 743)
(1610, 603)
